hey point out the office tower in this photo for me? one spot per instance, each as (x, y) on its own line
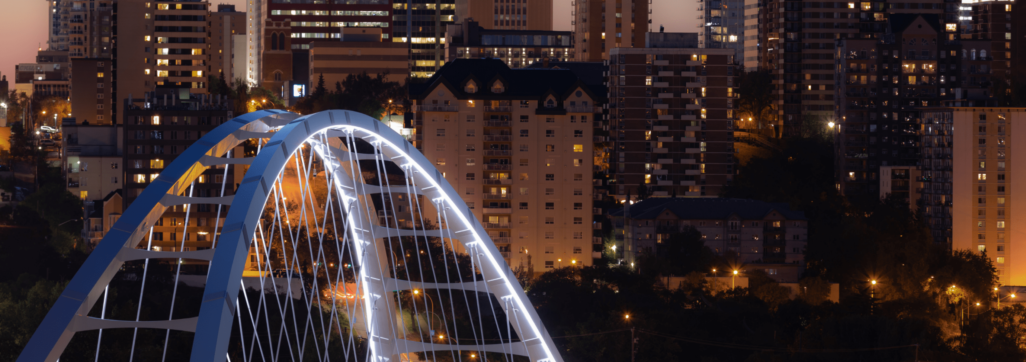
(516, 143)
(159, 126)
(723, 26)
(751, 34)
(601, 25)
(518, 48)
(224, 27)
(760, 235)
(980, 195)
(507, 14)
(883, 85)
(362, 51)
(309, 21)
(426, 35)
(670, 117)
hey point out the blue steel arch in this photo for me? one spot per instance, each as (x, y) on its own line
(288, 132)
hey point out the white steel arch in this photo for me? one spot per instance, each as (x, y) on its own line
(334, 139)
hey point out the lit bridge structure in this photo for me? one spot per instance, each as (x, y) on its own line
(341, 243)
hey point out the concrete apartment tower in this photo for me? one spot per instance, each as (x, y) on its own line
(507, 14)
(723, 25)
(671, 108)
(601, 25)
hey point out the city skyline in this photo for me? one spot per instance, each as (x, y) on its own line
(27, 19)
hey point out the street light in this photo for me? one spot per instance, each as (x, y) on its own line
(732, 279)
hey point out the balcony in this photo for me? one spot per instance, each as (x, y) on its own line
(440, 108)
(497, 138)
(505, 124)
(504, 181)
(502, 240)
(497, 108)
(497, 210)
(496, 225)
(498, 153)
(497, 196)
(498, 167)
(599, 139)
(72, 184)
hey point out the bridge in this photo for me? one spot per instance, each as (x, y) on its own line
(340, 243)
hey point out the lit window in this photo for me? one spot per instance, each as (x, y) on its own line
(1000, 260)
(156, 120)
(1001, 224)
(578, 148)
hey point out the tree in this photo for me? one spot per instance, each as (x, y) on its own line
(755, 99)
(16, 105)
(21, 144)
(52, 110)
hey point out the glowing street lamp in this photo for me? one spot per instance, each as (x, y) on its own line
(732, 279)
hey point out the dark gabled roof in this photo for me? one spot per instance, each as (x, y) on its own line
(519, 83)
(897, 23)
(589, 73)
(707, 209)
(111, 194)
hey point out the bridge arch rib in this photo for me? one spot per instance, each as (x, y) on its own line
(342, 144)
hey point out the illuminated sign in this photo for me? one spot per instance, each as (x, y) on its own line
(298, 90)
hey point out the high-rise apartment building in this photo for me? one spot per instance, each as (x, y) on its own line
(425, 34)
(159, 126)
(798, 47)
(1000, 22)
(223, 27)
(309, 21)
(670, 118)
(723, 25)
(516, 144)
(56, 37)
(751, 34)
(883, 85)
(601, 25)
(518, 48)
(507, 14)
(89, 28)
(982, 197)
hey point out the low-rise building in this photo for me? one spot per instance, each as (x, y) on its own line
(92, 158)
(755, 234)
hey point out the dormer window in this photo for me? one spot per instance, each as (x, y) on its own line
(471, 87)
(551, 103)
(497, 87)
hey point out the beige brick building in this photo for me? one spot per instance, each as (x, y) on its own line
(361, 51)
(517, 145)
(601, 25)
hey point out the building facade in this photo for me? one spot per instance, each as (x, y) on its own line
(159, 127)
(670, 119)
(517, 48)
(759, 235)
(92, 91)
(93, 158)
(507, 14)
(335, 60)
(516, 143)
(308, 21)
(224, 26)
(425, 36)
(983, 194)
(884, 84)
(601, 25)
(751, 34)
(723, 25)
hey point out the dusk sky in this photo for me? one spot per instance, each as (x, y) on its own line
(24, 22)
